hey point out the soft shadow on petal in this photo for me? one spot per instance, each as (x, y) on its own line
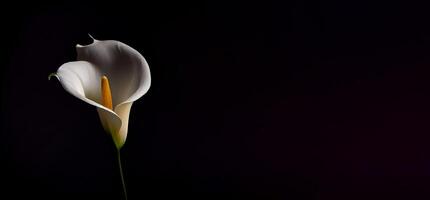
(84, 77)
(82, 80)
(126, 68)
(123, 111)
(112, 125)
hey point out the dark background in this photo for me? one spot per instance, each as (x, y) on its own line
(264, 100)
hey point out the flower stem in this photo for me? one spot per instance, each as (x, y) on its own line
(122, 175)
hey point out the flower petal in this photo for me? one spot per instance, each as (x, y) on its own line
(83, 77)
(112, 125)
(126, 68)
(82, 80)
(123, 111)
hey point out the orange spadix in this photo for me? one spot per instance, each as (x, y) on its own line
(106, 93)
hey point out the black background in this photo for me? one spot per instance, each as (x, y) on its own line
(264, 100)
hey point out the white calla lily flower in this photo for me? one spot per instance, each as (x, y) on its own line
(109, 75)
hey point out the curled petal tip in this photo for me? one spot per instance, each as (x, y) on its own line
(51, 75)
(94, 40)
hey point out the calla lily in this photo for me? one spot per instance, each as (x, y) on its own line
(109, 75)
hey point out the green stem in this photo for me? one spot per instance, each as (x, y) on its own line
(122, 175)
